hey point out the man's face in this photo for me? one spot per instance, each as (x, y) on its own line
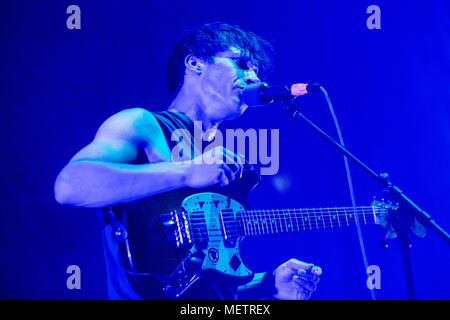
(222, 82)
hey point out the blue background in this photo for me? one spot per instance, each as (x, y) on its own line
(390, 89)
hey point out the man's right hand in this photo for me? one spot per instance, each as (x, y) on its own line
(217, 166)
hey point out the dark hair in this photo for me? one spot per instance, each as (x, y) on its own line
(206, 40)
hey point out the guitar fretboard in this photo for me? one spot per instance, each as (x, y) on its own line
(257, 222)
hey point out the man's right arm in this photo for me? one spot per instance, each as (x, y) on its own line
(101, 175)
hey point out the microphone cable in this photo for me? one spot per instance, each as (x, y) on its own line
(350, 186)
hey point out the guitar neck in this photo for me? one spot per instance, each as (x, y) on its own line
(258, 222)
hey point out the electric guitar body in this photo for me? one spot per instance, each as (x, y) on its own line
(159, 253)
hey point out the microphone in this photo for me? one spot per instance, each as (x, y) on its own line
(259, 94)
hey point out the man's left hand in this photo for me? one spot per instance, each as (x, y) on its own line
(296, 280)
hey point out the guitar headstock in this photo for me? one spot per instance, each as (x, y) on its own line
(383, 211)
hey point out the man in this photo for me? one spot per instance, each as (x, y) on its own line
(130, 159)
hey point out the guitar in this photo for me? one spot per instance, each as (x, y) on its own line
(212, 225)
(181, 236)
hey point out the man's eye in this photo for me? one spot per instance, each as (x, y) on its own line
(241, 63)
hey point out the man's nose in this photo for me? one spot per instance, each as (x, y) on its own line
(251, 77)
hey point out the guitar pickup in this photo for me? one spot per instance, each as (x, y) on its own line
(199, 229)
(228, 225)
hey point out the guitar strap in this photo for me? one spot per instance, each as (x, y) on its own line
(120, 235)
(144, 282)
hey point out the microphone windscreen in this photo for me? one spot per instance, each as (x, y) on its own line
(251, 95)
(299, 89)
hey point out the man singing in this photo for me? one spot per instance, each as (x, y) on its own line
(129, 170)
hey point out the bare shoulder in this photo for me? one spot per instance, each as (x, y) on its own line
(133, 125)
(138, 115)
(121, 135)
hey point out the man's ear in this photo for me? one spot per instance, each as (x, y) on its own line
(194, 64)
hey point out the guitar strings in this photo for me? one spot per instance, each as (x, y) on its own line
(284, 216)
(264, 215)
(254, 228)
(314, 212)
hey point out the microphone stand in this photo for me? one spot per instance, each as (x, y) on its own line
(402, 220)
